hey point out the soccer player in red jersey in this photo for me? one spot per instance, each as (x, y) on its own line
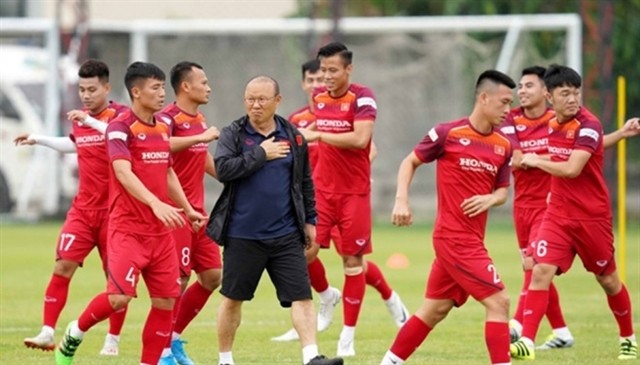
(578, 217)
(85, 226)
(345, 113)
(142, 186)
(191, 160)
(472, 153)
(528, 128)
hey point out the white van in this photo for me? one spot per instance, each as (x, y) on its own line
(23, 76)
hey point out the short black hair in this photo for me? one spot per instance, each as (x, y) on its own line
(179, 73)
(534, 70)
(141, 71)
(311, 66)
(335, 48)
(495, 77)
(94, 68)
(266, 78)
(558, 75)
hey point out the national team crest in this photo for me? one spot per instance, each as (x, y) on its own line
(571, 134)
(499, 150)
(344, 107)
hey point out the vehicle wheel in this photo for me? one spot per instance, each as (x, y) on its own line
(5, 199)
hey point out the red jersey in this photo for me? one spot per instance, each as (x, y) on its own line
(586, 196)
(343, 170)
(531, 186)
(147, 148)
(303, 118)
(93, 172)
(189, 164)
(469, 163)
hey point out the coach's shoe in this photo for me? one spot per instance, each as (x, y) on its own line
(398, 311)
(345, 348)
(177, 349)
(323, 360)
(110, 347)
(628, 350)
(555, 342)
(290, 335)
(325, 312)
(167, 360)
(522, 350)
(67, 347)
(43, 341)
(515, 330)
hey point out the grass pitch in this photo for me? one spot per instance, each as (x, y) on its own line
(27, 258)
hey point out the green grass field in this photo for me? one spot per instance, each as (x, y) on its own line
(26, 261)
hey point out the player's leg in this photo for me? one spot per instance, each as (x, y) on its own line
(162, 277)
(75, 242)
(375, 278)
(523, 219)
(439, 300)
(596, 251)
(496, 328)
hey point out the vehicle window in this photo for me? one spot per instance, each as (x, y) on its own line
(7, 109)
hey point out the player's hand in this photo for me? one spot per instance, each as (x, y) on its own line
(402, 214)
(211, 134)
(275, 149)
(477, 204)
(311, 252)
(309, 235)
(77, 115)
(530, 160)
(197, 220)
(24, 140)
(169, 215)
(631, 128)
(309, 135)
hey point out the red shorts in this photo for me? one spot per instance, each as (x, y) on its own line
(560, 239)
(460, 270)
(196, 251)
(132, 254)
(81, 232)
(351, 215)
(527, 222)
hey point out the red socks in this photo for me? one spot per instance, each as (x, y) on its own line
(496, 336)
(554, 312)
(317, 276)
(97, 311)
(352, 296)
(410, 336)
(156, 333)
(535, 307)
(620, 305)
(374, 277)
(55, 297)
(116, 321)
(192, 301)
(523, 295)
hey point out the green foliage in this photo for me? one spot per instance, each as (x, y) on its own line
(26, 260)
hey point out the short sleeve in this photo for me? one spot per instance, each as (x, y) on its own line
(366, 107)
(432, 145)
(589, 136)
(118, 135)
(508, 128)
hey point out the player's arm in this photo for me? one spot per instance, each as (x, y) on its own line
(60, 144)
(373, 152)
(183, 142)
(167, 214)
(568, 169)
(402, 214)
(210, 167)
(630, 128)
(358, 138)
(478, 204)
(86, 119)
(178, 196)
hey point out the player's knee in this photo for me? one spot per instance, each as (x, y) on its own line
(65, 268)
(119, 301)
(210, 279)
(353, 271)
(542, 275)
(610, 283)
